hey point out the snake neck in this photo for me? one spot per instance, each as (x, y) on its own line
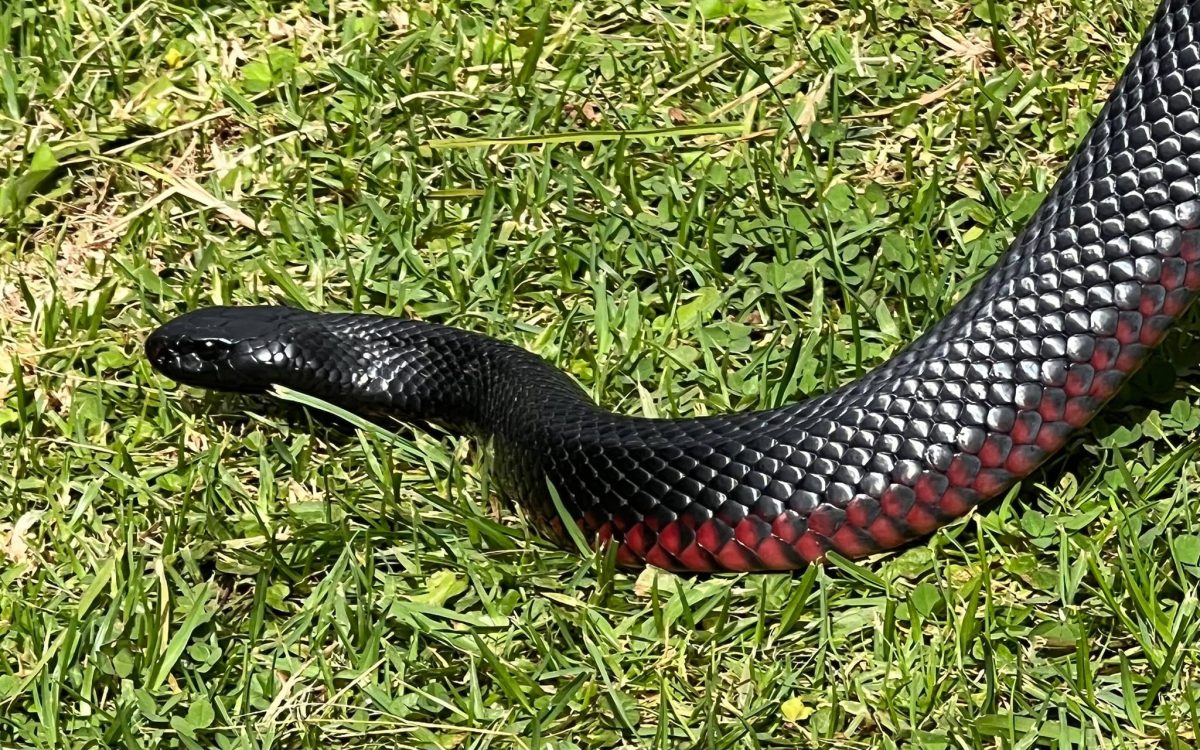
(414, 371)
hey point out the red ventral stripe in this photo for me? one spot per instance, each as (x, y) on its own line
(776, 555)
(1129, 327)
(922, 520)
(930, 487)
(1079, 380)
(1130, 358)
(713, 535)
(1053, 435)
(861, 512)
(751, 531)
(674, 538)
(694, 557)
(639, 540)
(1176, 301)
(995, 450)
(811, 547)
(626, 557)
(888, 532)
(957, 501)
(853, 542)
(788, 526)
(1106, 384)
(991, 482)
(1079, 410)
(1025, 429)
(660, 558)
(1104, 357)
(604, 532)
(735, 557)
(1023, 459)
(1154, 328)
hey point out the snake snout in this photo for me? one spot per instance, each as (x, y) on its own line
(157, 351)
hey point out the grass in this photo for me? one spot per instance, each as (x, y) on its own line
(692, 207)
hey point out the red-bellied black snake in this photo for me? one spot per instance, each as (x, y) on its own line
(1032, 353)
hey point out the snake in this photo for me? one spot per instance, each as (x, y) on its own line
(1036, 347)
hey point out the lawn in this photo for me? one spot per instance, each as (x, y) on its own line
(691, 207)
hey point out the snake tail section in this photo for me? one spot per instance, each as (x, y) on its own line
(1110, 260)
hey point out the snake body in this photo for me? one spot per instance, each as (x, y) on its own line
(1043, 340)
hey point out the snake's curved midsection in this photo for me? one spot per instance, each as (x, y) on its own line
(1109, 261)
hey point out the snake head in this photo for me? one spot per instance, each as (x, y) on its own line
(224, 348)
(373, 365)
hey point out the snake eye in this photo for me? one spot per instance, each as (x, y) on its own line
(207, 350)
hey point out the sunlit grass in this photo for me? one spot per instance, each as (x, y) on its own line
(691, 207)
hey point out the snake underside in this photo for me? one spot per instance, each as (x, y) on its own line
(1109, 261)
